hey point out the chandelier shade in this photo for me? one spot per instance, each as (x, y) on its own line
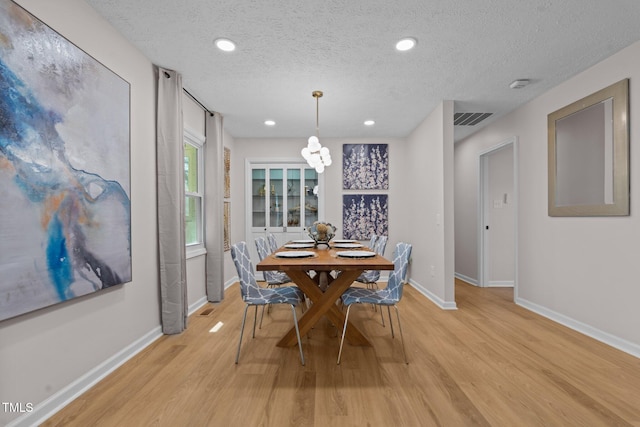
(314, 153)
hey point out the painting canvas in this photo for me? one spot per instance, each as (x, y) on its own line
(365, 166)
(64, 169)
(227, 172)
(227, 225)
(364, 215)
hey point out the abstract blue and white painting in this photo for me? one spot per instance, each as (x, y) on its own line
(364, 215)
(65, 214)
(365, 166)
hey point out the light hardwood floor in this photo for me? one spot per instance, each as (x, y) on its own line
(489, 363)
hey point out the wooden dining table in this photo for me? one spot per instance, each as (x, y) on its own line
(313, 276)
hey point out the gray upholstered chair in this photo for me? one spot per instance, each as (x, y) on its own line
(371, 277)
(253, 295)
(273, 243)
(389, 296)
(273, 278)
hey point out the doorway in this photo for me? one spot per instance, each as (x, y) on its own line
(497, 216)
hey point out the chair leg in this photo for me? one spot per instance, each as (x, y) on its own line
(295, 323)
(381, 316)
(344, 331)
(255, 320)
(393, 335)
(244, 318)
(401, 336)
(261, 317)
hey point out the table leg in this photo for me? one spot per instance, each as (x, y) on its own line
(324, 304)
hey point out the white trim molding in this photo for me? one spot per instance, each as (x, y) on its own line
(500, 284)
(583, 328)
(47, 408)
(230, 282)
(445, 305)
(196, 305)
(467, 279)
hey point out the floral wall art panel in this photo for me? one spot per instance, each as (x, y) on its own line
(365, 166)
(364, 215)
(227, 173)
(227, 226)
(65, 214)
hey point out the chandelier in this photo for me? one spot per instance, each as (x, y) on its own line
(314, 153)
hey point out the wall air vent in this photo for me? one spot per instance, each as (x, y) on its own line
(469, 119)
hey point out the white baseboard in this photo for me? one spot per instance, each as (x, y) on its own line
(445, 305)
(196, 305)
(612, 340)
(45, 409)
(500, 284)
(230, 282)
(467, 279)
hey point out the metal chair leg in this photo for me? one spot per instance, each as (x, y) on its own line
(244, 318)
(261, 317)
(393, 335)
(344, 331)
(295, 322)
(401, 336)
(255, 320)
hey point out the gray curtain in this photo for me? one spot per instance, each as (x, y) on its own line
(214, 206)
(171, 199)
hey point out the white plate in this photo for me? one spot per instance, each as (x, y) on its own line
(298, 245)
(356, 254)
(295, 254)
(303, 241)
(347, 245)
(343, 241)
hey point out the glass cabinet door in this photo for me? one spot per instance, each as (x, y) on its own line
(276, 202)
(284, 199)
(294, 183)
(310, 196)
(258, 198)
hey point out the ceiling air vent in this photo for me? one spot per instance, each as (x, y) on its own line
(469, 119)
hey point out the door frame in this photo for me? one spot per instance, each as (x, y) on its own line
(484, 206)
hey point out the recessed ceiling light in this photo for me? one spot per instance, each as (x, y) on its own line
(225, 45)
(269, 123)
(406, 43)
(369, 122)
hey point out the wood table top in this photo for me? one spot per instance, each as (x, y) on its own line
(324, 260)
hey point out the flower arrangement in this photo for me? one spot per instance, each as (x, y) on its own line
(321, 232)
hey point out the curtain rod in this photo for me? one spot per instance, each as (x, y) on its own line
(199, 103)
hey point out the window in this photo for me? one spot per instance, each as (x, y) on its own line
(194, 191)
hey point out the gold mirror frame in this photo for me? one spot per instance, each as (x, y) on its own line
(618, 93)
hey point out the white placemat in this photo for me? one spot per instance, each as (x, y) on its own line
(356, 254)
(298, 245)
(347, 245)
(295, 254)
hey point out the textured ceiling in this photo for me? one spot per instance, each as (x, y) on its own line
(468, 52)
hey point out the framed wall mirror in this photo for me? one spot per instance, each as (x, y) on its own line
(589, 155)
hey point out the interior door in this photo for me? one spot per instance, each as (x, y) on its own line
(498, 216)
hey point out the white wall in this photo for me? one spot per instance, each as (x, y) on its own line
(44, 351)
(579, 271)
(428, 205)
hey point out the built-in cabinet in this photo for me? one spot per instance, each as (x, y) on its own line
(281, 198)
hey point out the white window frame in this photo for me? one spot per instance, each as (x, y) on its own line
(197, 140)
